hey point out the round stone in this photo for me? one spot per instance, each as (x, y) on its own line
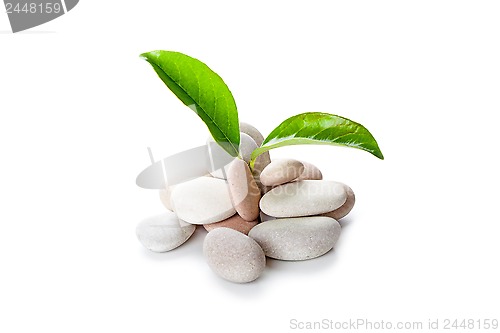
(234, 222)
(343, 210)
(163, 232)
(281, 171)
(303, 198)
(299, 238)
(244, 191)
(202, 200)
(233, 255)
(252, 132)
(311, 172)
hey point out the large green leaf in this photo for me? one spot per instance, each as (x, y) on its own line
(202, 90)
(319, 128)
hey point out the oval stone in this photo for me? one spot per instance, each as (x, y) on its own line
(303, 198)
(252, 132)
(233, 255)
(311, 172)
(343, 210)
(234, 222)
(281, 171)
(163, 232)
(247, 146)
(202, 200)
(299, 238)
(244, 191)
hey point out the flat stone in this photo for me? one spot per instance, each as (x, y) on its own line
(311, 172)
(202, 200)
(234, 222)
(299, 238)
(233, 255)
(303, 198)
(165, 197)
(247, 146)
(163, 233)
(252, 132)
(343, 210)
(281, 171)
(244, 191)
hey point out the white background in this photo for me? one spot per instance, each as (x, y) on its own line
(78, 109)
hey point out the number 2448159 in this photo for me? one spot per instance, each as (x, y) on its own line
(33, 8)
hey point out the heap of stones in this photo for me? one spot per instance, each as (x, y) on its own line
(282, 209)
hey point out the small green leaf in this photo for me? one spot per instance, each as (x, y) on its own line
(202, 90)
(319, 128)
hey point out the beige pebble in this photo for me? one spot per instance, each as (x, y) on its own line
(281, 171)
(311, 172)
(245, 193)
(343, 210)
(252, 132)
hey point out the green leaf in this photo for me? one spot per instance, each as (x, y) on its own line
(202, 90)
(319, 128)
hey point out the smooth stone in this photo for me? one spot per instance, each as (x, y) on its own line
(235, 222)
(281, 171)
(303, 198)
(165, 196)
(343, 210)
(163, 233)
(311, 172)
(299, 238)
(233, 255)
(254, 133)
(202, 200)
(247, 146)
(244, 191)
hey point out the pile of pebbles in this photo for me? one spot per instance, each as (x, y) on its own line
(282, 210)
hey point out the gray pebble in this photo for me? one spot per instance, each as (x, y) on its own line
(298, 238)
(311, 172)
(252, 132)
(346, 208)
(233, 255)
(163, 232)
(281, 171)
